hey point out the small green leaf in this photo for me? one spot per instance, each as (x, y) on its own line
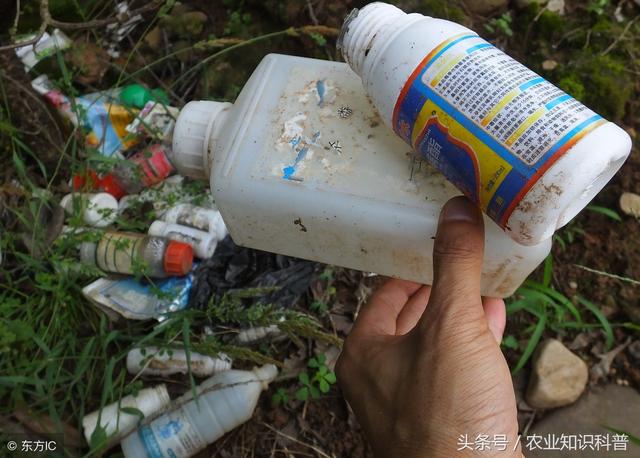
(98, 437)
(302, 394)
(330, 377)
(304, 378)
(132, 411)
(324, 386)
(510, 342)
(315, 394)
(605, 211)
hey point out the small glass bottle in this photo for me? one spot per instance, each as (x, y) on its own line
(129, 253)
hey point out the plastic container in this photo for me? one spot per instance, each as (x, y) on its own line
(529, 154)
(117, 422)
(131, 253)
(140, 171)
(302, 165)
(98, 210)
(224, 402)
(205, 219)
(160, 361)
(203, 243)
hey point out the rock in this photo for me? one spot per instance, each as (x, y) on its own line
(485, 6)
(549, 64)
(630, 204)
(558, 376)
(556, 6)
(613, 406)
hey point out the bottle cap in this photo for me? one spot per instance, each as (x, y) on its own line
(178, 258)
(192, 138)
(101, 210)
(109, 184)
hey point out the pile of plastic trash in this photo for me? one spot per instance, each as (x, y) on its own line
(149, 274)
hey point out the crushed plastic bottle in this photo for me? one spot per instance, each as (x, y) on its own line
(224, 402)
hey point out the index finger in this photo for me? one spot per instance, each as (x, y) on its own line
(378, 316)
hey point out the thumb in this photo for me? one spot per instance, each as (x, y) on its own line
(457, 261)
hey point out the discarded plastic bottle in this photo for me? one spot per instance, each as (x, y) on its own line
(224, 402)
(160, 361)
(116, 421)
(205, 219)
(530, 155)
(203, 243)
(98, 210)
(302, 165)
(131, 253)
(142, 170)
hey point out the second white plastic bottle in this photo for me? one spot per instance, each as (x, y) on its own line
(224, 402)
(302, 165)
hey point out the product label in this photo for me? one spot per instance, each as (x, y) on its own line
(488, 123)
(171, 436)
(117, 252)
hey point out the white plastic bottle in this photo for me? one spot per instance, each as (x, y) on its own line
(98, 210)
(117, 422)
(302, 165)
(529, 154)
(205, 219)
(224, 402)
(203, 243)
(160, 361)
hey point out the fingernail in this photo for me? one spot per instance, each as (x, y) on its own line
(460, 209)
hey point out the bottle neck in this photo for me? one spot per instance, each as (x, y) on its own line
(215, 135)
(366, 33)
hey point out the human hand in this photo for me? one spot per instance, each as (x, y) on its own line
(420, 376)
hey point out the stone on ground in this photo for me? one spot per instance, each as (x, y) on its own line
(558, 376)
(630, 204)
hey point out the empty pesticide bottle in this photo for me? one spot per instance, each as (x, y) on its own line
(142, 170)
(131, 253)
(302, 165)
(161, 361)
(205, 219)
(224, 402)
(203, 243)
(98, 210)
(530, 155)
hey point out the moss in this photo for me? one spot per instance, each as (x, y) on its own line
(606, 86)
(571, 84)
(440, 9)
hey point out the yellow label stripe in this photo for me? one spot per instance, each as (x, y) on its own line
(421, 121)
(452, 63)
(525, 125)
(505, 100)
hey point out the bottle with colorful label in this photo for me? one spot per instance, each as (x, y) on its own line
(530, 155)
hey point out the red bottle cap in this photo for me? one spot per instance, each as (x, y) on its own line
(178, 258)
(87, 181)
(109, 184)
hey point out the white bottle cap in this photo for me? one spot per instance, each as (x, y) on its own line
(192, 142)
(99, 210)
(203, 243)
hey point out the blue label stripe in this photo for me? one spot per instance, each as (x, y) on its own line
(533, 82)
(555, 102)
(572, 133)
(150, 443)
(480, 46)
